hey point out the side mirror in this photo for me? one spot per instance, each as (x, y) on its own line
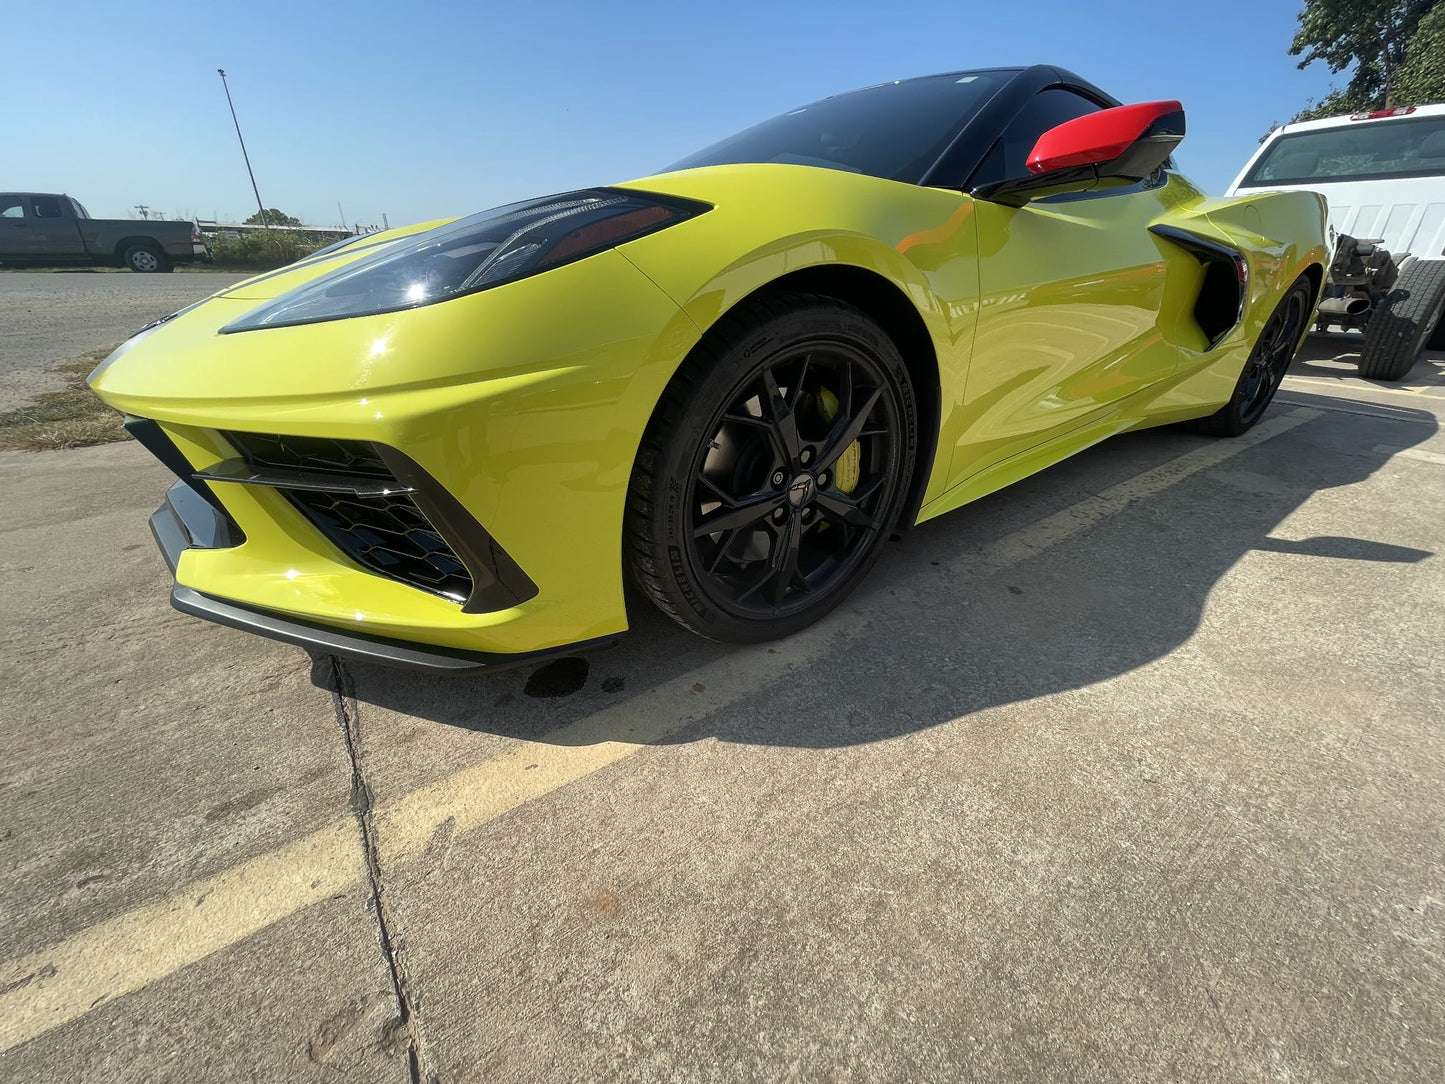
(1128, 141)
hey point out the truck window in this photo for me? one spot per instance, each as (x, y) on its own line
(45, 206)
(12, 207)
(80, 211)
(1362, 151)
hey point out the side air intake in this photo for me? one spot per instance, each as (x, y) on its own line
(1220, 305)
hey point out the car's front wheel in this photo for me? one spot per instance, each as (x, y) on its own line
(774, 468)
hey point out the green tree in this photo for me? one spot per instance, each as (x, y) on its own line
(1380, 38)
(1421, 77)
(273, 217)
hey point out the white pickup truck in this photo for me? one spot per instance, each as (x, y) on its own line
(1383, 175)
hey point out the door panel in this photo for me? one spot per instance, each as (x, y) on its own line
(1070, 294)
(17, 227)
(55, 232)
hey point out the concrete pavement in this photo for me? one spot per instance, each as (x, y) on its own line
(1131, 771)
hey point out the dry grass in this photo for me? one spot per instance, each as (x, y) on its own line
(69, 418)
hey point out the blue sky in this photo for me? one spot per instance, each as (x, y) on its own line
(427, 109)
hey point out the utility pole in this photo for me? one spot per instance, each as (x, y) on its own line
(143, 210)
(259, 205)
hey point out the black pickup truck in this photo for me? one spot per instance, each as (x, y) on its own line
(50, 230)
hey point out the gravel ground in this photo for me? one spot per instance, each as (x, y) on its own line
(47, 317)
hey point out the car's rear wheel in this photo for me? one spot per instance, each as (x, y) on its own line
(1265, 368)
(1404, 319)
(146, 259)
(775, 466)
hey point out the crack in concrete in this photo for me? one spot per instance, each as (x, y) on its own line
(362, 807)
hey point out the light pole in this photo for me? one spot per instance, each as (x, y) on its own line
(259, 205)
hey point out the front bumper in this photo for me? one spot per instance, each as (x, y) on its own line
(186, 520)
(524, 404)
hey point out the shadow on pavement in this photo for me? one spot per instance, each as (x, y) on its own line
(1350, 549)
(943, 638)
(1335, 355)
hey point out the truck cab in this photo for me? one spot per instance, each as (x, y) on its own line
(1383, 176)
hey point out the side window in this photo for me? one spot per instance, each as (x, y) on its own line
(1047, 109)
(12, 207)
(45, 206)
(80, 212)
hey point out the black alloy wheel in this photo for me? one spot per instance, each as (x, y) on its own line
(1266, 365)
(783, 470)
(1272, 353)
(775, 514)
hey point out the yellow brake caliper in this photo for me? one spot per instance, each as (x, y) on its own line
(849, 467)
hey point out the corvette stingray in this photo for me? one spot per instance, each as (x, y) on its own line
(448, 446)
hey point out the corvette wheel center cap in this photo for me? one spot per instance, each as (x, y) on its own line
(802, 490)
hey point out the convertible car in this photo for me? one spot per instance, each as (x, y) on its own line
(448, 446)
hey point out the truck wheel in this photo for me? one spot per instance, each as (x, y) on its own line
(146, 259)
(1403, 320)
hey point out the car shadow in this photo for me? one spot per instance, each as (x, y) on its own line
(938, 631)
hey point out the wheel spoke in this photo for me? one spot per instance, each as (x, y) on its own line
(722, 550)
(748, 419)
(839, 440)
(757, 584)
(750, 509)
(785, 560)
(847, 508)
(780, 413)
(722, 495)
(802, 376)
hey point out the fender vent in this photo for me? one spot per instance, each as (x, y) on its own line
(1220, 305)
(1217, 309)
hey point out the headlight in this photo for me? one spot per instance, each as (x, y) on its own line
(475, 253)
(354, 240)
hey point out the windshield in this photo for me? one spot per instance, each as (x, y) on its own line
(894, 131)
(1364, 151)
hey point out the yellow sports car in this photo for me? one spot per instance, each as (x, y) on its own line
(447, 446)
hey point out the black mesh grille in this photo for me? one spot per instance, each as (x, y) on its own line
(387, 534)
(390, 535)
(310, 453)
